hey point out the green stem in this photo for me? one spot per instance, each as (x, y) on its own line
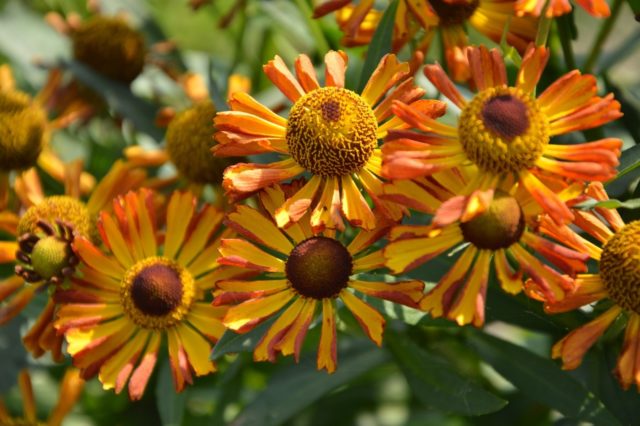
(605, 30)
(563, 25)
(544, 26)
(318, 35)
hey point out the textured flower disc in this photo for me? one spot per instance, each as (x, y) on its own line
(156, 293)
(503, 130)
(620, 267)
(23, 131)
(50, 256)
(319, 267)
(60, 207)
(331, 132)
(454, 12)
(110, 47)
(500, 226)
(189, 142)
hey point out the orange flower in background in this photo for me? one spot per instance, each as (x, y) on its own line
(616, 251)
(505, 131)
(596, 8)
(359, 21)
(331, 133)
(307, 274)
(42, 249)
(148, 288)
(70, 390)
(493, 228)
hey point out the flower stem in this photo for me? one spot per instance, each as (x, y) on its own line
(563, 24)
(605, 30)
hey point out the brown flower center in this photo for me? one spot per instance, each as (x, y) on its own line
(454, 12)
(331, 131)
(501, 225)
(503, 130)
(156, 290)
(319, 267)
(620, 267)
(157, 293)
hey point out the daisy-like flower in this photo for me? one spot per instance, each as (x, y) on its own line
(149, 287)
(504, 131)
(331, 133)
(616, 251)
(596, 8)
(41, 247)
(307, 274)
(358, 21)
(70, 390)
(494, 229)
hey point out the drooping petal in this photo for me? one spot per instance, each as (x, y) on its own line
(407, 293)
(572, 348)
(371, 321)
(265, 349)
(327, 349)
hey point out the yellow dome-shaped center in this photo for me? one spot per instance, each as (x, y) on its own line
(502, 130)
(60, 207)
(23, 131)
(331, 132)
(110, 47)
(620, 267)
(500, 226)
(189, 142)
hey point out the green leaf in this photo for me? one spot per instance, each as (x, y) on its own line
(380, 44)
(298, 386)
(541, 379)
(231, 342)
(140, 112)
(629, 162)
(435, 382)
(635, 7)
(171, 405)
(609, 204)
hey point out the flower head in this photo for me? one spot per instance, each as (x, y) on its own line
(494, 227)
(148, 287)
(504, 132)
(110, 47)
(331, 133)
(448, 17)
(308, 273)
(616, 250)
(42, 244)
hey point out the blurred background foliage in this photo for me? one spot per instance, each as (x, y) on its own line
(429, 372)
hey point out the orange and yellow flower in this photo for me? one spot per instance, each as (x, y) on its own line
(489, 17)
(308, 272)
(504, 131)
(150, 286)
(70, 390)
(331, 133)
(41, 244)
(491, 226)
(615, 250)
